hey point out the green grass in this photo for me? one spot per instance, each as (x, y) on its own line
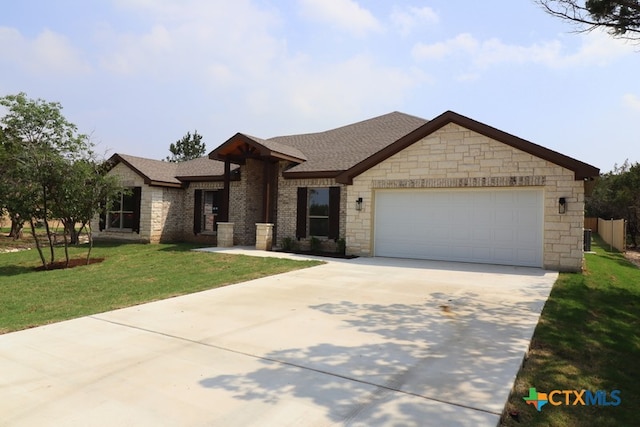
(130, 274)
(588, 338)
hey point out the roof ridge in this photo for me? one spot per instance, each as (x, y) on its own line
(375, 118)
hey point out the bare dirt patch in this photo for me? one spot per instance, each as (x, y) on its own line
(78, 262)
(633, 256)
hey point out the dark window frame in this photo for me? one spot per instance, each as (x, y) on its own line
(127, 210)
(303, 217)
(200, 205)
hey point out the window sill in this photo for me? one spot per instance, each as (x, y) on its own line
(117, 230)
(208, 233)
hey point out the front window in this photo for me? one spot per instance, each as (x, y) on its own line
(210, 207)
(318, 212)
(121, 212)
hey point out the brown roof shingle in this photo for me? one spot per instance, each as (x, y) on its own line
(157, 172)
(340, 149)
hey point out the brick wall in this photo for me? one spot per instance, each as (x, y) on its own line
(186, 231)
(455, 152)
(129, 178)
(287, 209)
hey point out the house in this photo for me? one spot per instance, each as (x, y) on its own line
(395, 185)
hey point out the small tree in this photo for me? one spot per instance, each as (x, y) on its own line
(621, 18)
(84, 188)
(188, 148)
(40, 148)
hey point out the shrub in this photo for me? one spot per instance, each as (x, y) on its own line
(314, 244)
(288, 244)
(341, 246)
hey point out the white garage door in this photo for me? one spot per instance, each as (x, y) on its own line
(485, 226)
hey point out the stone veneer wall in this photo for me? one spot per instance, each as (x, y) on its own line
(456, 152)
(186, 232)
(288, 207)
(129, 178)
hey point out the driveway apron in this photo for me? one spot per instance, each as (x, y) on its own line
(363, 342)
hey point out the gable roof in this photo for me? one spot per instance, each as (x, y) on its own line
(581, 170)
(169, 174)
(341, 153)
(241, 145)
(336, 150)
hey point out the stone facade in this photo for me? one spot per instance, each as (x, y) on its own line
(188, 203)
(129, 178)
(453, 155)
(287, 210)
(450, 157)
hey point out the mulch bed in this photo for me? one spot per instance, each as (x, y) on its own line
(61, 265)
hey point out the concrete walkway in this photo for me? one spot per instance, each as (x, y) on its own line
(363, 342)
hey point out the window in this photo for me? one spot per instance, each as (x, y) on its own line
(318, 212)
(210, 208)
(206, 210)
(123, 213)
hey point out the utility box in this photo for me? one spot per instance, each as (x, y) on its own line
(587, 240)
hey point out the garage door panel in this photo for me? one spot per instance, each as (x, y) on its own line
(487, 226)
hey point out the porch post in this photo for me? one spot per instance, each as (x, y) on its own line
(266, 190)
(225, 192)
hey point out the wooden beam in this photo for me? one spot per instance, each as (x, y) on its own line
(224, 216)
(266, 191)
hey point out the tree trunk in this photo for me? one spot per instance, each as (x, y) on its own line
(90, 234)
(35, 238)
(70, 228)
(46, 223)
(66, 250)
(16, 228)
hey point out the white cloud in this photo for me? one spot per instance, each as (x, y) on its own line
(462, 43)
(407, 20)
(47, 53)
(193, 38)
(347, 15)
(631, 101)
(596, 49)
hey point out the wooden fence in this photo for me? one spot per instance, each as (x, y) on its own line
(613, 232)
(591, 224)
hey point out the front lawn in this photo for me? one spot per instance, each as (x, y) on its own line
(588, 338)
(130, 274)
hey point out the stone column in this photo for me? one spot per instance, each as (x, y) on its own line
(264, 236)
(225, 234)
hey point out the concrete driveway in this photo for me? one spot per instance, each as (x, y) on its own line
(364, 342)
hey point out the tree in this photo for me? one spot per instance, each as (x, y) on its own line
(43, 165)
(617, 195)
(84, 188)
(188, 148)
(620, 18)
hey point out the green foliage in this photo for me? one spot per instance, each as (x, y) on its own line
(617, 195)
(188, 148)
(47, 168)
(314, 244)
(341, 246)
(621, 18)
(289, 244)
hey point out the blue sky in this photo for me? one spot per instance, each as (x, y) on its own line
(139, 74)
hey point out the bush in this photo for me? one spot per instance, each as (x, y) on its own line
(288, 244)
(341, 246)
(315, 245)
